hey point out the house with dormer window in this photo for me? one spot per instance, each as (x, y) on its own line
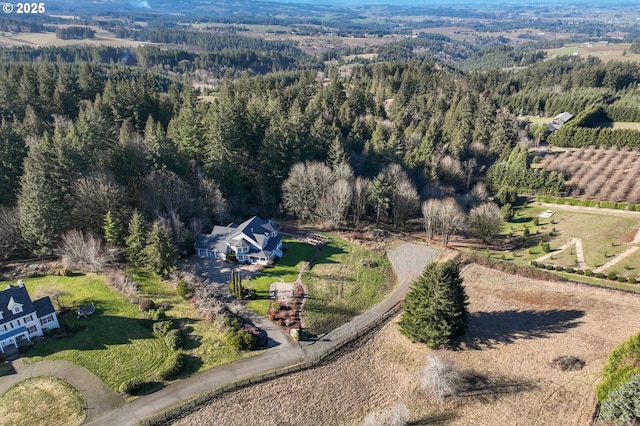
(22, 319)
(254, 241)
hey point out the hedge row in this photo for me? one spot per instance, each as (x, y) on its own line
(589, 203)
(586, 272)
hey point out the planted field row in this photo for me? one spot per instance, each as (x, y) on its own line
(599, 174)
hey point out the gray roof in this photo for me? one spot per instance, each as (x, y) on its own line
(563, 117)
(267, 251)
(19, 295)
(43, 306)
(249, 232)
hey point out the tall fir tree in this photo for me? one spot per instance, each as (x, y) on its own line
(435, 309)
(159, 256)
(136, 240)
(12, 154)
(113, 230)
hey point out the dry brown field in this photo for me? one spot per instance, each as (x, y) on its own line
(518, 326)
(49, 39)
(599, 174)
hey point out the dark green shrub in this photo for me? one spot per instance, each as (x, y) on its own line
(146, 305)
(184, 290)
(173, 339)
(175, 366)
(162, 327)
(156, 314)
(600, 275)
(622, 405)
(546, 247)
(570, 270)
(559, 268)
(550, 267)
(507, 212)
(612, 276)
(588, 273)
(130, 386)
(241, 340)
(541, 265)
(231, 321)
(536, 221)
(580, 272)
(632, 280)
(622, 280)
(534, 263)
(622, 364)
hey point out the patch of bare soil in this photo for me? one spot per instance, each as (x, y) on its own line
(519, 328)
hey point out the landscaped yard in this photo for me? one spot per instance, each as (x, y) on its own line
(42, 401)
(344, 280)
(116, 343)
(286, 270)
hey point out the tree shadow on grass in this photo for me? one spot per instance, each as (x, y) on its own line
(487, 329)
(435, 419)
(485, 389)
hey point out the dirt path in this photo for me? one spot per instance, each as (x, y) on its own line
(579, 253)
(617, 259)
(598, 210)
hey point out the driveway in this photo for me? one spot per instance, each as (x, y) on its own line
(99, 397)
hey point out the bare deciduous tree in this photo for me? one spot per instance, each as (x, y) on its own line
(215, 201)
(305, 186)
(10, 236)
(486, 220)
(165, 192)
(397, 415)
(85, 252)
(404, 196)
(430, 214)
(440, 377)
(124, 283)
(360, 198)
(332, 208)
(92, 197)
(451, 218)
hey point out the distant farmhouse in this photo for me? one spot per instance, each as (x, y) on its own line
(21, 319)
(559, 121)
(254, 241)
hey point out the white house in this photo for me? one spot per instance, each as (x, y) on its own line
(254, 241)
(21, 319)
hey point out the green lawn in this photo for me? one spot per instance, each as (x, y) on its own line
(340, 287)
(116, 342)
(286, 270)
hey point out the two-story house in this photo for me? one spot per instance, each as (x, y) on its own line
(254, 241)
(21, 319)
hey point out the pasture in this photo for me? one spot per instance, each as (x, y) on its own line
(517, 328)
(602, 51)
(102, 38)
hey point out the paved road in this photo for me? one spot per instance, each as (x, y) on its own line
(100, 398)
(408, 261)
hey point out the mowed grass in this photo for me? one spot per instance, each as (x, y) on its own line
(116, 343)
(340, 286)
(286, 270)
(604, 235)
(42, 401)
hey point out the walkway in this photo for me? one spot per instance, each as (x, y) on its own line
(616, 259)
(100, 398)
(408, 261)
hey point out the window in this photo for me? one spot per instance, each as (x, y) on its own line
(29, 318)
(46, 319)
(32, 329)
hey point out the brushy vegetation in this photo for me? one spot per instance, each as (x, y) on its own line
(344, 280)
(58, 403)
(623, 363)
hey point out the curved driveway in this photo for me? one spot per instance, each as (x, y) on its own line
(408, 261)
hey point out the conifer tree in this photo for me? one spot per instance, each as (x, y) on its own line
(113, 230)
(136, 240)
(435, 309)
(159, 256)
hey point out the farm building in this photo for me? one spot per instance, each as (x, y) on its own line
(559, 121)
